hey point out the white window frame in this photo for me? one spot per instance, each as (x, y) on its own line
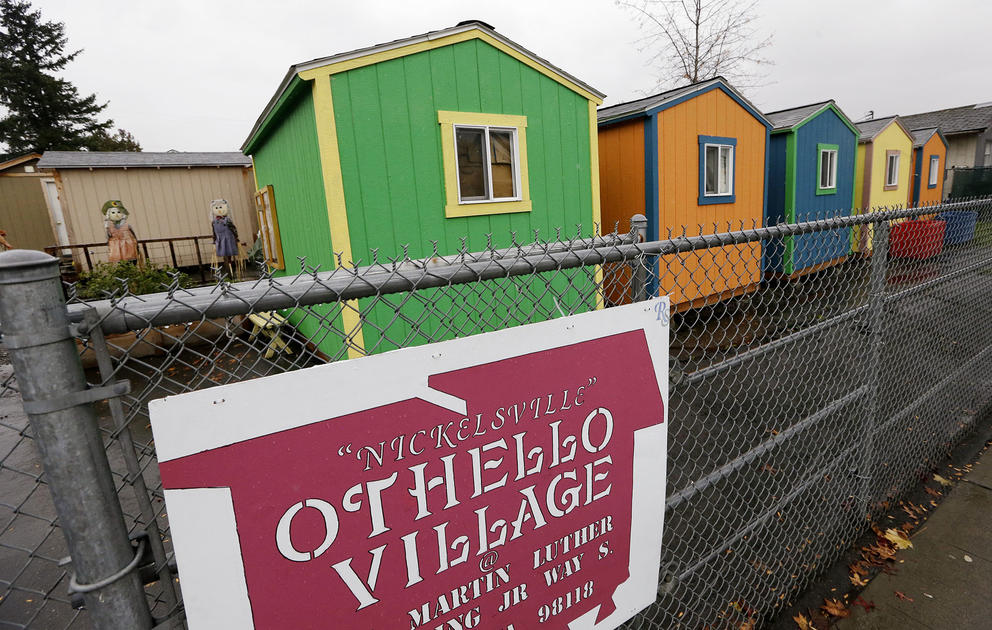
(894, 171)
(730, 167)
(517, 196)
(934, 168)
(831, 173)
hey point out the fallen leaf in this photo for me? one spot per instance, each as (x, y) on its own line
(858, 568)
(967, 558)
(803, 623)
(747, 625)
(882, 551)
(903, 596)
(932, 492)
(857, 580)
(898, 539)
(868, 606)
(834, 608)
(941, 480)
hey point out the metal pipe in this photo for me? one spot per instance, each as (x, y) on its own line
(344, 284)
(46, 361)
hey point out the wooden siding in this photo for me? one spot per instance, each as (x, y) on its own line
(694, 277)
(23, 213)
(961, 151)
(390, 148)
(289, 161)
(621, 192)
(892, 138)
(810, 250)
(871, 179)
(621, 173)
(919, 192)
(389, 143)
(164, 203)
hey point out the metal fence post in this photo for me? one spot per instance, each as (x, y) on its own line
(53, 387)
(639, 281)
(876, 343)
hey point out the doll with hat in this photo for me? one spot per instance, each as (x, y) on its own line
(121, 240)
(224, 231)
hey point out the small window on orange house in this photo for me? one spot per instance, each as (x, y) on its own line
(268, 227)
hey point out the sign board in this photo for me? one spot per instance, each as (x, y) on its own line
(513, 479)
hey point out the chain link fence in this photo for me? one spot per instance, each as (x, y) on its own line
(806, 391)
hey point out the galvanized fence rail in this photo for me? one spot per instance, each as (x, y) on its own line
(806, 390)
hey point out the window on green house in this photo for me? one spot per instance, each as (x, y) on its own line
(828, 169)
(485, 163)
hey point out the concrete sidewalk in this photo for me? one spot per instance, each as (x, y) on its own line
(946, 578)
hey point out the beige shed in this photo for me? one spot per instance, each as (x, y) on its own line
(168, 195)
(23, 213)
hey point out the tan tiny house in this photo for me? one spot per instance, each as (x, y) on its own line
(167, 194)
(24, 214)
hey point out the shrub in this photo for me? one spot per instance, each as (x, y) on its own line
(105, 278)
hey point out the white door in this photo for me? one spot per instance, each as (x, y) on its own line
(55, 209)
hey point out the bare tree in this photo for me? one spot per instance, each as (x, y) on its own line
(696, 40)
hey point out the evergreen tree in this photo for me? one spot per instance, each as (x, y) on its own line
(39, 111)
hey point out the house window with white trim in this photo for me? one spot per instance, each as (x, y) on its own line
(826, 182)
(934, 171)
(718, 170)
(891, 169)
(485, 163)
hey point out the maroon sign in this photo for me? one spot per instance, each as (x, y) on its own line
(515, 512)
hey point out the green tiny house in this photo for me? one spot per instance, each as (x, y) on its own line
(448, 137)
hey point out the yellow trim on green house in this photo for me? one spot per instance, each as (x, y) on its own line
(597, 214)
(337, 216)
(452, 207)
(403, 51)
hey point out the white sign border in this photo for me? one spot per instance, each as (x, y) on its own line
(220, 416)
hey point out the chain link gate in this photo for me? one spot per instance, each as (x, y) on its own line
(802, 396)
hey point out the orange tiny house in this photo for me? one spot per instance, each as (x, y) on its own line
(693, 158)
(929, 160)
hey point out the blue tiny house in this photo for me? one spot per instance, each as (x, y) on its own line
(811, 157)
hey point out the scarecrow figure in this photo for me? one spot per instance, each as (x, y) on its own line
(121, 240)
(225, 232)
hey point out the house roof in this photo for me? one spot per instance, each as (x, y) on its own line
(411, 44)
(650, 104)
(921, 136)
(143, 159)
(871, 128)
(965, 119)
(788, 118)
(12, 162)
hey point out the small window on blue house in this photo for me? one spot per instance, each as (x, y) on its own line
(826, 182)
(934, 171)
(716, 169)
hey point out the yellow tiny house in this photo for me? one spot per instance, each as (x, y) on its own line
(882, 170)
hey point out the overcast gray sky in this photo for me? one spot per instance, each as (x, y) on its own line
(193, 75)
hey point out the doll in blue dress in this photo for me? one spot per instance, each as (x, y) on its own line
(225, 233)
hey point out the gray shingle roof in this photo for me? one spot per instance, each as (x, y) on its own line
(969, 118)
(643, 104)
(788, 118)
(134, 159)
(920, 136)
(871, 128)
(621, 110)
